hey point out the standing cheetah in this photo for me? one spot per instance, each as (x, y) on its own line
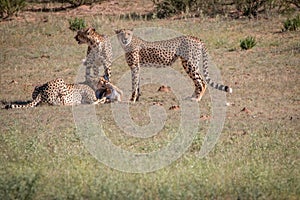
(189, 49)
(99, 54)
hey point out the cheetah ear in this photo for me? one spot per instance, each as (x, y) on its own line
(117, 31)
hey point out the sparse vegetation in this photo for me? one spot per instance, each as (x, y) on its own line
(77, 3)
(167, 8)
(247, 43)
(18, 186)
(249, 8)
(256, 156)
(292, 24)
(9, 8)
(77, 24)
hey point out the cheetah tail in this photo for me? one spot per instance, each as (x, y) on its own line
(31, 104)
(206, 74)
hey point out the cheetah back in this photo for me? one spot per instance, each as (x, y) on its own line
(79, 94)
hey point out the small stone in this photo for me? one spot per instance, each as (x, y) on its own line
(246, 110)
(174, 107)
(164, 88)
(204, 117)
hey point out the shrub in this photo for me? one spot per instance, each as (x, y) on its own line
(77, 3)
(77, 24)
(234, 8)
(167, 8)
(292, 24)
(250, 7)
(247, 43)
(9, 8)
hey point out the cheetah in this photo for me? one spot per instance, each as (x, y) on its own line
(189, 49)
(99, 53)
(57, 92)
(107, 92)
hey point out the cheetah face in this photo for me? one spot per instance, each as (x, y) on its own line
(124, 36)
(102, 89)
(82, 36)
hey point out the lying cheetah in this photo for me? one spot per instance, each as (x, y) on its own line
(57, 92)
(189, 49)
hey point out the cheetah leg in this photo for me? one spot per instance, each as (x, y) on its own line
(107, 55)
(87, 73)
(96, 71)
(107, 72)
(63, 95)
(102, 100)
(63, 100)
(193, 72)
(135, 77)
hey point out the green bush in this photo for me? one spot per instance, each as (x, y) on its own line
(292, 24)
(9, 8)
(247, 43)
(167, 8)
(250, 7)
(77, 24)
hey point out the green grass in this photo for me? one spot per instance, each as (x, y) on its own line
(247, 43)
(256, 157)
(292, 24)
(77, 24)
(10, 8)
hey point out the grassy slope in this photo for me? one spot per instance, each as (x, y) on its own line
(257, 155)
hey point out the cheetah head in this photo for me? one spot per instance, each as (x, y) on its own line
(102, 89)
(102, 83)
(124, 36)
(84, 36)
